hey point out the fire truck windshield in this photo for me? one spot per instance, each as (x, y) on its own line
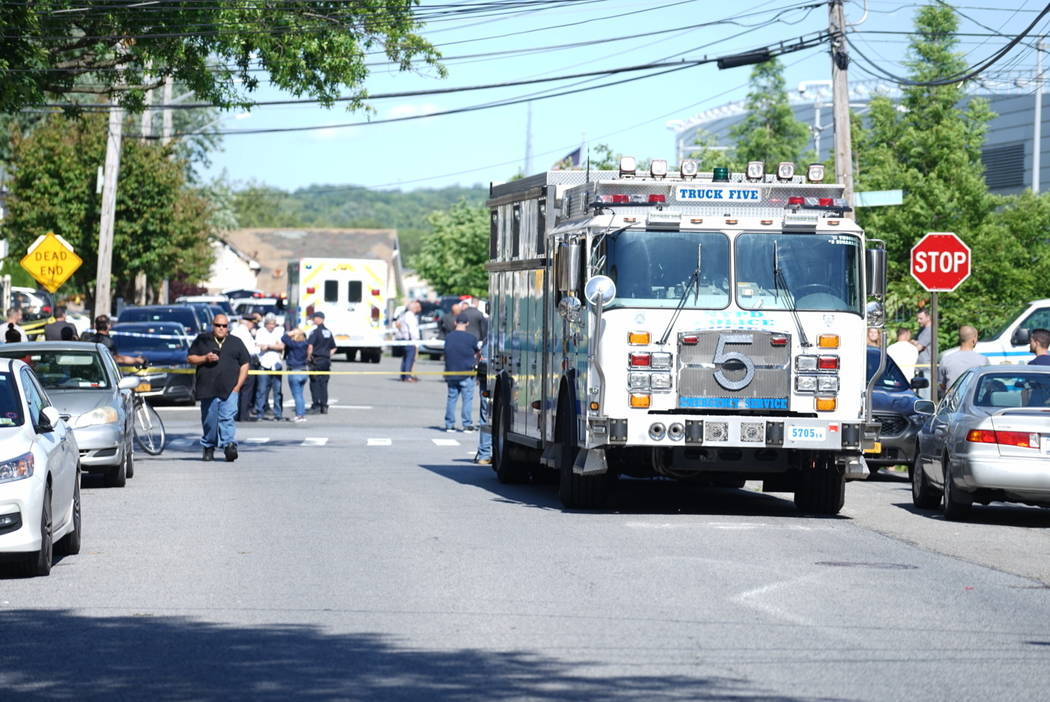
(821, 272)
(653, 268)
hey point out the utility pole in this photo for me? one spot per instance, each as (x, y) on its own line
(1037, 137)
(166, 124)
(114, 136)
(840, 100)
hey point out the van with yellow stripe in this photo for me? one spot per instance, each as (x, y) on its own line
(352, 293)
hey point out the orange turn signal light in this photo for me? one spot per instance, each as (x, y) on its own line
(640, 401)
(828, 341)
(595, 406)
(638, 337)
(825, 404)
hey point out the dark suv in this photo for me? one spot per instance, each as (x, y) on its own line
(893, 406)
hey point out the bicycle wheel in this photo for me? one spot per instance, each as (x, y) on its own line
(149, 430)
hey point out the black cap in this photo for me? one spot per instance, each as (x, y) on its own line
(462, 319)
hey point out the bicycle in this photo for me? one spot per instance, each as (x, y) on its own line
(148, 427)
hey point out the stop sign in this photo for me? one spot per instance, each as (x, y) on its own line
(940, 261)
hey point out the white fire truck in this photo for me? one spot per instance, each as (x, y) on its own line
(705, 327)
(352, 293)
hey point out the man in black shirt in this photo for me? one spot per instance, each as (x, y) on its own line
(53, 331)
(222, 367)
(319, 348)
(101, 336)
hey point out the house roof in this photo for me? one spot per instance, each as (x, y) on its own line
(275, 248)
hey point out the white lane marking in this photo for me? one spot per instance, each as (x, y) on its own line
(314, 441)
(379, 442)
(445, 442)
(353, 407)
(256, 440)
(725, 526)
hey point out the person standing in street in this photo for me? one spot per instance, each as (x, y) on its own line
(13, 333)
(922, 345)
(101, 336)
(461, 355)
(478, 323)
(955, 362)
(319, 347)
(295, 359)
(903, 352)
(1038, 343)
(484, 454)
(408, 330)
(268, 339)
(245, 331)
(222, 367)
(53, 331)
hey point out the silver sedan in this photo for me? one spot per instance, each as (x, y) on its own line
(987, 440)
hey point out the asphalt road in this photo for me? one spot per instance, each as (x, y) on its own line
(363, 556)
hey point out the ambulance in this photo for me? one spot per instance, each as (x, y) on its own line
(352, 293)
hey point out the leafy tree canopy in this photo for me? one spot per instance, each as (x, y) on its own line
(770, 132)
(453, 257)
(216, 49)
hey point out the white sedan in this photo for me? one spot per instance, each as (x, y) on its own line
(39, 474)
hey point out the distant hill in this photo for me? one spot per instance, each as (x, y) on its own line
(350, 206)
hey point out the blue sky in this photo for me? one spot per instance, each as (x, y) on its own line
(490, 145)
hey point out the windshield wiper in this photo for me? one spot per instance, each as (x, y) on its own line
(693, 279)
(780, 283)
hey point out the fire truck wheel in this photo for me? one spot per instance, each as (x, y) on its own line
(576, 491)
(821, 488)
(507, 469)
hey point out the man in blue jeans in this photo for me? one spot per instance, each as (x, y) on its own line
(222, 367)
(484, 454)
(461, 354)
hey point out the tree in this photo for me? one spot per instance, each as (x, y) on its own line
(769, 132)
(161, 225)
(453, 257)
(931, 148)
(313, 48)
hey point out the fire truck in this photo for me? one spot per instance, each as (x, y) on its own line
(699, 326)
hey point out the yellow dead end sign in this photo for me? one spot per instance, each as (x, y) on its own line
(51, 261)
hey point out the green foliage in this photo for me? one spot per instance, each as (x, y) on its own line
(311, 48)
(453, 257)
(351, 207)
(161, 226)
(770, 131)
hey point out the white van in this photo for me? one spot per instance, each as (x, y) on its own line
(1009, 344)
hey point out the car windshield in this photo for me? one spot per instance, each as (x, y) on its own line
(818, 272)
(892, 378)
(129, 342)
(995, 333)
(654, 268)
(1001, 390)
(65, 370)
(10, 402)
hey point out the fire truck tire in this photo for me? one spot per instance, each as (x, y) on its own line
(576, 491)
(351, 354)
(508, 470)
(822, 487)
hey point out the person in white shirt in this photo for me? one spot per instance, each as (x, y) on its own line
(903, 352)
(14, 333)
(408, 330)
(245, 331)
(271, 358)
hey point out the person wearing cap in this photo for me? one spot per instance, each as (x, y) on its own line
(319, 347)
(268, 339)
(461, 356)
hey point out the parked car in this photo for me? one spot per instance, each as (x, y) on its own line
(83, 382)
(221, 302)
(192, 322)
(987, 440)
(35, 304)
(39, 474)
(166, 348)
(431, 328)
(262, 306)
(1009, 343)
(893, 406)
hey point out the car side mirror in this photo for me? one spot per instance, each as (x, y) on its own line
(129, 382)
(924, 407)
(919, 382)
(1020, 337)
(48, 420)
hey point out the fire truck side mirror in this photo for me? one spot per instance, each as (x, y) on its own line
(600, 288)
(567, 269)
(876, 270)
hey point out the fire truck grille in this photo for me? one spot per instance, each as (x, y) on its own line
(734, 369)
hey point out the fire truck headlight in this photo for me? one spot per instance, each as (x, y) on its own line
(815, 172)
(828, 384)
(658, 168)
(689, 168)
(638, 381)
(756, 170)
(805, 383)
(785, 170)
(661, 381)
(661, 361)
(806, 363)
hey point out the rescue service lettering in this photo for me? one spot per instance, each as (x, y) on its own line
(769, 403)
(719, 193)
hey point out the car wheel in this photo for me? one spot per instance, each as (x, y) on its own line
(351, 354)
(576, 491)
(129, 460)
(117, 477)
(923, 495)
(956, 504)
(377, 356)
(70, 543)
(39, 563)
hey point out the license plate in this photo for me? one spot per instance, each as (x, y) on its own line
(877, 448)
(796, 433)
(143, 387)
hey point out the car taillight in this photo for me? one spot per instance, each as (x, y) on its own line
(640, 360)
(828, 362)
(690, 340)
(311, 290)
(1021, 439)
